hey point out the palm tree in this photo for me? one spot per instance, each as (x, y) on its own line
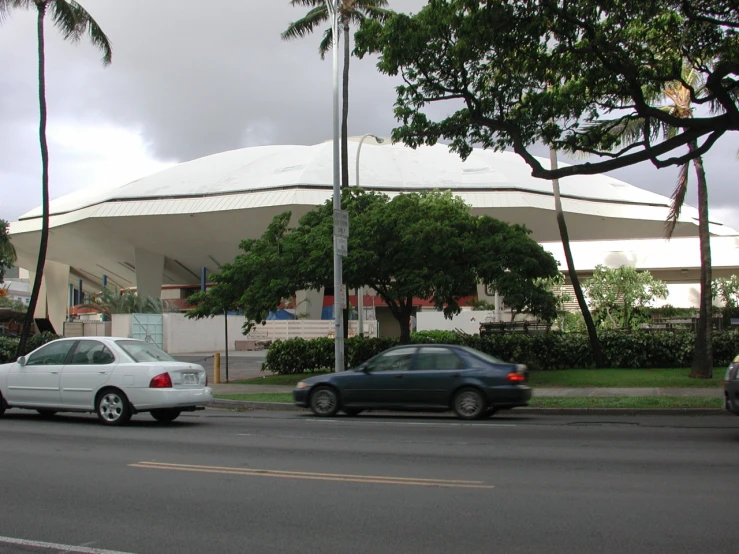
(7, 251)
(350, 11)
(571, 271)
(680, 94)
(74, 22)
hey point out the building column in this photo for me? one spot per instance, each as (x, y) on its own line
(149, 273)
(53, 297)
(309, 302)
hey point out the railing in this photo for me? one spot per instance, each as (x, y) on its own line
(528, 327)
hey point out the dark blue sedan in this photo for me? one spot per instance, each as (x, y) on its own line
(420, 377)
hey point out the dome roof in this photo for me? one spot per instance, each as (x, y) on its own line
(391, 167)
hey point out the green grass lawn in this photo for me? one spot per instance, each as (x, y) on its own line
(277, 379)
(569, 378)
(665, 378)
(569, 402)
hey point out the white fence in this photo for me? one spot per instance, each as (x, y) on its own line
(87, 328)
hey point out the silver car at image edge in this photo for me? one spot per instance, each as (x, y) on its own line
(731, 387)
(113, 377)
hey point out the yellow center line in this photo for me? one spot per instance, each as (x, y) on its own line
(314, 476)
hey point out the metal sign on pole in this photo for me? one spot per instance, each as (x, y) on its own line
(341, 223)
(342, 246)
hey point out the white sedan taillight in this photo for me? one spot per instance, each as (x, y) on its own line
(161, 381)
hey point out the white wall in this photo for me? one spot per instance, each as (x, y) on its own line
(467, 321)
(182, 335)
(121, 325)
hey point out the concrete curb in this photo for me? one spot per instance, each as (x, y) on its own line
(281, 406)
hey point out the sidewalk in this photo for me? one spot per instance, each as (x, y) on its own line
(222, 388)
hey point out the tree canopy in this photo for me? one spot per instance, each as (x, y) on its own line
(521, 72)
(8, 255)
(420, 245)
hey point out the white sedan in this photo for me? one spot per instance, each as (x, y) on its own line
(110, 376)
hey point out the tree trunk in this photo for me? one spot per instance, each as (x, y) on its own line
(404, 320)
(564, 235)
(28, 321)
(702, 366)
(345, 111)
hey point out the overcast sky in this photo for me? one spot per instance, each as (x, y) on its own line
(190, 79)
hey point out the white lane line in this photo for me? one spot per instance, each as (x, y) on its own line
(426, 423)
(66, 548)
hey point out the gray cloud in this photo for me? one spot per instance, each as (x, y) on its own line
(197, 80)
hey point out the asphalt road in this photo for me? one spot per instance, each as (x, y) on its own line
(263, 482)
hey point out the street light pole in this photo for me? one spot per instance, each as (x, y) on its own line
(360, 293)
(333, 9)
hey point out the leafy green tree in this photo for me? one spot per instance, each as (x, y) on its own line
(526, 72)
(12, 303)
(726, 289)
(8, 255)
(421, 245)
(350, 12)
(624, 288)
(74, 22)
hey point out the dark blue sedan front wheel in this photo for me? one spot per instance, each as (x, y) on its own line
(469, 403)
(324, 401)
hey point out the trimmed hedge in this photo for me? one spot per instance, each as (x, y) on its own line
(9, 345)
(538, 351)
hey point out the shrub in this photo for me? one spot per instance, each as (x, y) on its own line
(543, 351)
(9, 345)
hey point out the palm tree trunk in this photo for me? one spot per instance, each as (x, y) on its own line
(345, 143)
(345, 110)
(28, 321)
(574, 279)
(702, 366)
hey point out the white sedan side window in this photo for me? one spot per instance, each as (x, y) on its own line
(53, 353)
(91, 352)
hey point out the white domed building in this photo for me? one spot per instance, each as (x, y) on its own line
(164, 229)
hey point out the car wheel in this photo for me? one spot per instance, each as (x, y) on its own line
(112, 408)
(2, 405)
(324, 401)
(166, 415)
(469, 403)
(352, 411)
(46, 413)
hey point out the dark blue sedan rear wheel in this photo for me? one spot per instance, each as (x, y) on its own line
(324, 401)
(469, 403)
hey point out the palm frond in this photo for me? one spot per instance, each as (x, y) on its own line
(678, 198)
(326, 42)
(370, 12)
(74, 22)
(306, 25)
(307, 3)
(6, 6)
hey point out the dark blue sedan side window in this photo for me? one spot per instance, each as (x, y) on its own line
(431, 358)
(475, 362)
(393, 360)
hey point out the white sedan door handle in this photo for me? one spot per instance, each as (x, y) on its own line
(102, 372)
(53, 372)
